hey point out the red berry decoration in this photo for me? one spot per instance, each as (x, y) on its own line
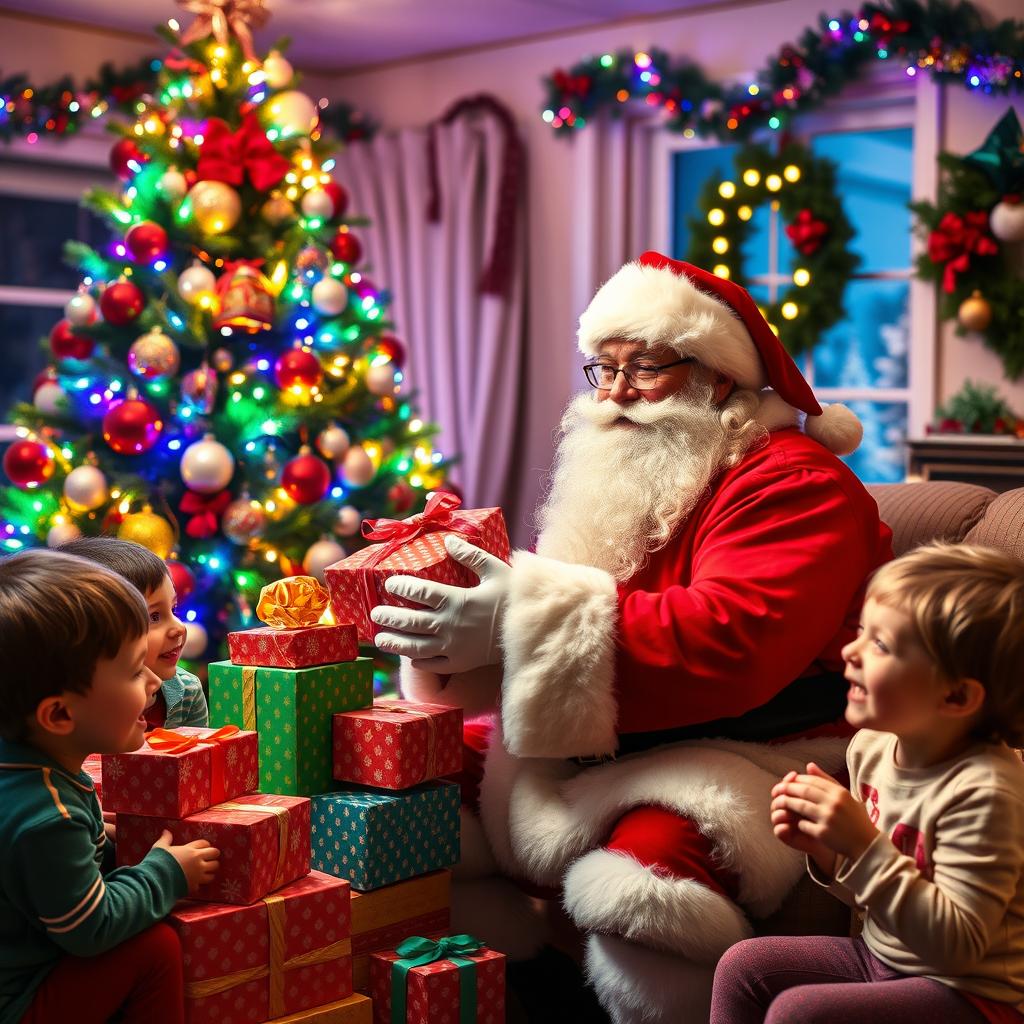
(146, 241)
(121, 303)
(28, 463)
(297, 367)
(388, 345)
(182, 578)
(122, 154)
(65, 344)
(306, 478)
(339, 197)
(401, 496)
(346, 248)
(132, 427)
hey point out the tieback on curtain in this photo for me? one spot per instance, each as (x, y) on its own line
(498, 274)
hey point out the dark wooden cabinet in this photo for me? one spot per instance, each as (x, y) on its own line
(989, 460)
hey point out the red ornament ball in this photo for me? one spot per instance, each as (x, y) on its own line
(66, 344)
(388, 345)
(122, 154)
(297, 367)
(401, 496)
(182, 578)
(339, 197)
(28, 463)
(346, 248)
(306, 479)
(146, 241)
(132, 427)
(121, 303)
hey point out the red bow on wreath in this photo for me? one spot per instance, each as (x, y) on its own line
(205, 510)
(569, 85)
(807, 232)
(228, 156)
(955, 240)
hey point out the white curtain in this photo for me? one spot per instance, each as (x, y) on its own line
(447, 240)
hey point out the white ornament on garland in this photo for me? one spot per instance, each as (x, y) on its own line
(329, 296)
(1007, 219)
(207, 466)
(323, 553)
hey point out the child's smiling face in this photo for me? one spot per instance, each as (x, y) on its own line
(166, 631)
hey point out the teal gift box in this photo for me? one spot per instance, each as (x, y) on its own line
(292, 710)
(374, 837)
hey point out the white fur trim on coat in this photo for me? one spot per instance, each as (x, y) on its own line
(659, 307)
(609, 892)
(476, 691)
(558, 636)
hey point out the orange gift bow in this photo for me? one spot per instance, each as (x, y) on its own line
(293, 602)
(168, 741)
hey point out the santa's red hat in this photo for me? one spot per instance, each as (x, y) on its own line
(662, 301)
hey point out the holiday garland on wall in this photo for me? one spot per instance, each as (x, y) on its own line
(945, 40)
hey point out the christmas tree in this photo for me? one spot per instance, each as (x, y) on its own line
(223, 388)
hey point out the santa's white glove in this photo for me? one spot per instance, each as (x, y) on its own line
(458, 630)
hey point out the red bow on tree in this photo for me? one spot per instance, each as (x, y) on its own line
(569, 85)
(955, 240)
(228, 156)
(807, 232)
(205, 510)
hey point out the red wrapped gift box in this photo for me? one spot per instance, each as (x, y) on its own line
(397, 744)
(266, 647)
(93, 767)
(263, 842)
(285, 954)
(187, 770)
(413, 547)
(433, 989)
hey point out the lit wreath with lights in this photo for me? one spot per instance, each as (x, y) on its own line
(801, 187)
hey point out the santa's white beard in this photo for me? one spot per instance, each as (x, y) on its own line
(625, 477)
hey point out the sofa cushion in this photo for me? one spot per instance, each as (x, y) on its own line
(1002, 525)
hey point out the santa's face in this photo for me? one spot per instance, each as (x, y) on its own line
(621, 353)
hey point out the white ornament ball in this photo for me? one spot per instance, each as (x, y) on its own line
(172, 185)
(349, 521)
(291, 113)
(380, 380)
(329, 296)
(358, 466)
(196, 640)
(216, 206)
(317, 203)
(194, 281)
(207, 466)
(50, 398)
(62, 533)
(320, 555)
(153, 355)
(277, 71)
(81, 309)
(1007, 221)
(85, 487)
(332, 442)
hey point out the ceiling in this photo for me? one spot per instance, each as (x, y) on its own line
(330, 35)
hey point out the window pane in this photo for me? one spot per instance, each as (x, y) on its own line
(880, 459)
(21, 328)
(869, 348)
(34, 233)
(874, 180)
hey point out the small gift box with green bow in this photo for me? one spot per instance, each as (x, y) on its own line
(455, 978)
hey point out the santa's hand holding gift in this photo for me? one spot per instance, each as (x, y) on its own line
(670, 649)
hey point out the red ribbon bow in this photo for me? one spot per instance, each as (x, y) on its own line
(206, 510)
(955, 240)
(228, 156)
(438, 514)
(169, 741)
(807, 232)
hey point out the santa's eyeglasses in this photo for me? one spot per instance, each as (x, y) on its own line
(640, 376)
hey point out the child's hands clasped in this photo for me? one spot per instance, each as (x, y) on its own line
(198, 860)
(817, 815)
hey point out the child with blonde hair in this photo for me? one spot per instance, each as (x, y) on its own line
(928, 841)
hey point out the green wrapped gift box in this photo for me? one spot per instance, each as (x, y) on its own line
(291, 709)
(376, 837)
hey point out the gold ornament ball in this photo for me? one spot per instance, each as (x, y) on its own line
(975, 313)
(291, 113)
(216, 207)
(277, 70)
(149, 530)
(153, 355)
(243, 519)
(277, 210)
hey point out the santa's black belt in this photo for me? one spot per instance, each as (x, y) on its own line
(803, 705)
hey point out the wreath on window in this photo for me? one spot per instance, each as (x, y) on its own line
(975, 239)
(801, 187)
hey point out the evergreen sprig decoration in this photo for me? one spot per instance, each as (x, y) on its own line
(946, 39)
(802, 188)
(976, 409)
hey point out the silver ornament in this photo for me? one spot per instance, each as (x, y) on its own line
(329, 296)
(323, 553)
(50, 398)
(332, 442)
(81, 309)
(380, 380)
(62, 533)
(358, 467)
(207, 466)
(153, 355)
(85, 487)
(195, 281)
(243, 519)
(348, 522)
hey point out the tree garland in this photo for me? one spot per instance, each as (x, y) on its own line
(802, 187)
(946, 40)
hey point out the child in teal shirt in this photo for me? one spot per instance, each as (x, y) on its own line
(79, 940)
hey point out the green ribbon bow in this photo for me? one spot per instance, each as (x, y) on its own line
(417, 951)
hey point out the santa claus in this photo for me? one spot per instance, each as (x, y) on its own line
(671, 648)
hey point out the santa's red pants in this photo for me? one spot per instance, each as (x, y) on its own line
(653, 836)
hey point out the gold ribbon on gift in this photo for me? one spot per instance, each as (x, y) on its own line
(283, 823)
(276, 968)
(293, 602)
(249, 697)
(430, 770)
